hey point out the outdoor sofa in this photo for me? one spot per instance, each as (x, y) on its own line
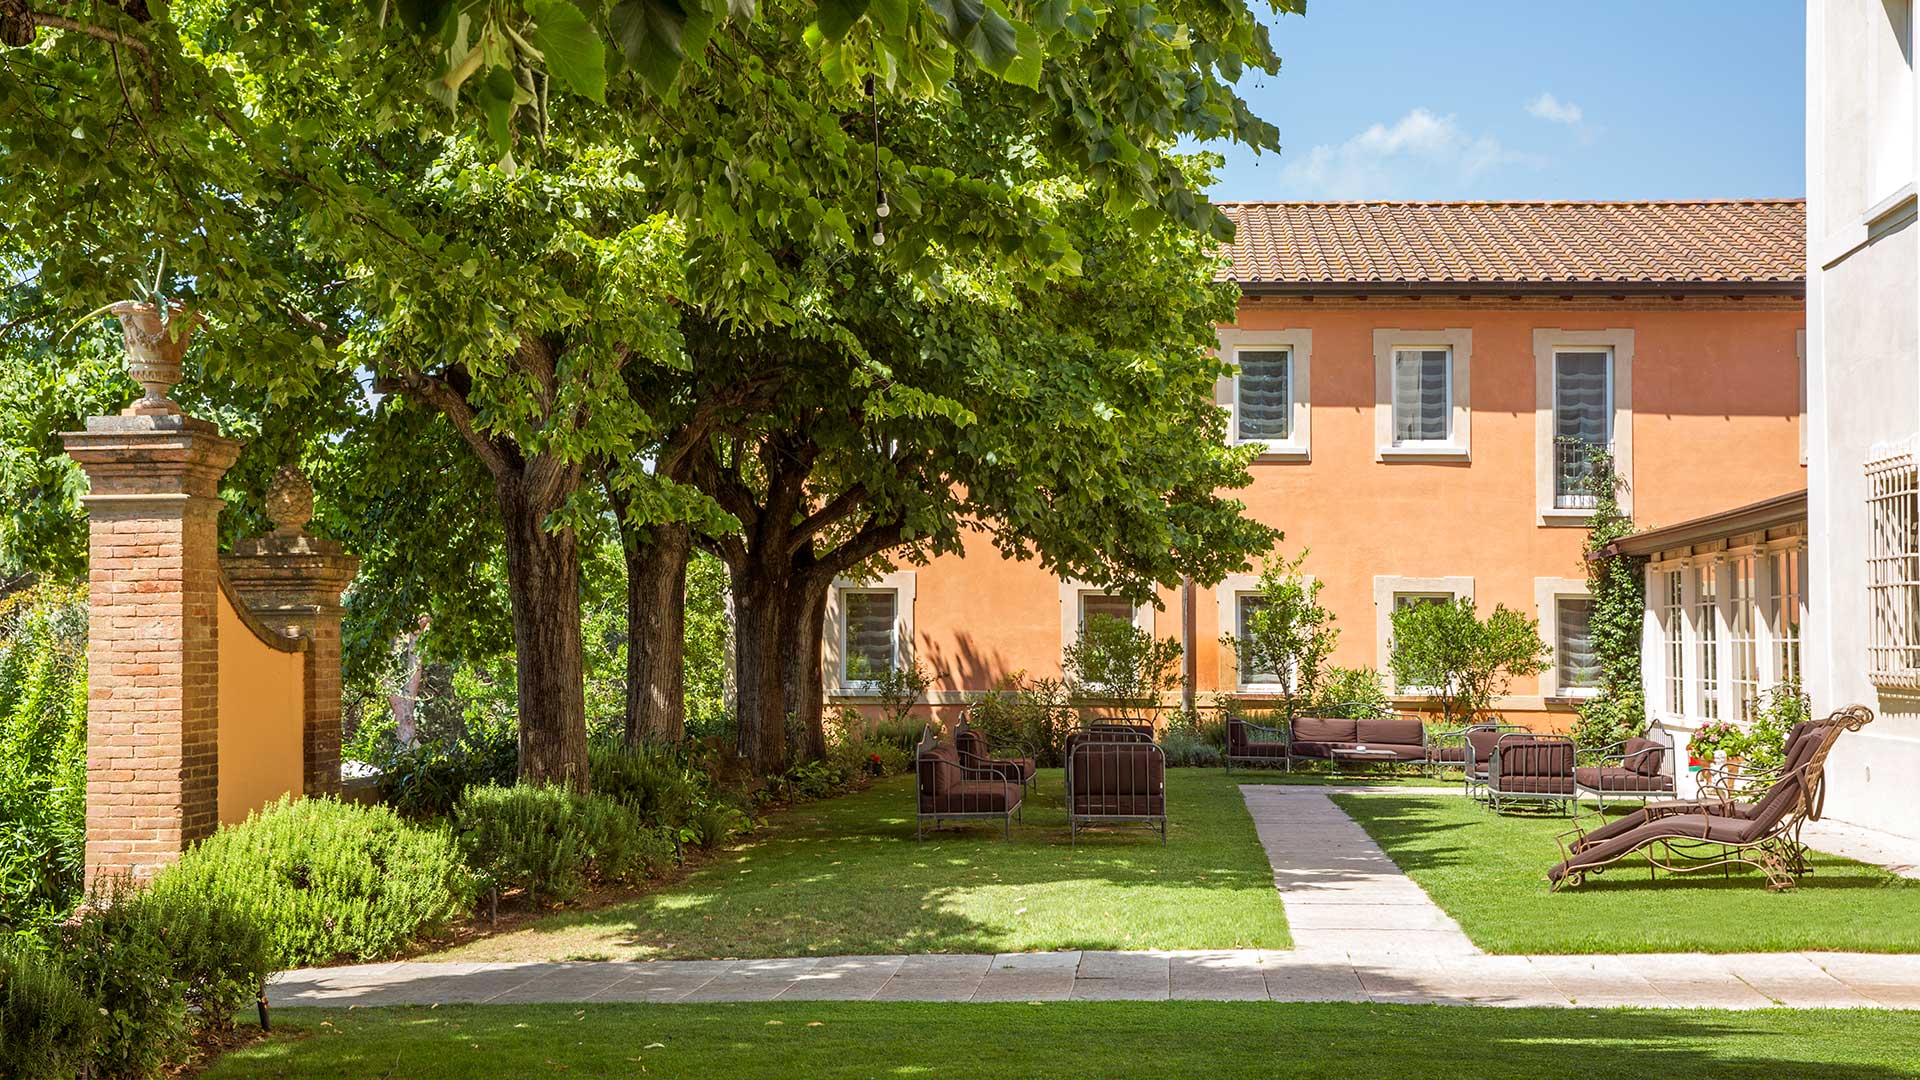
(1719, 830)
(951, 785)
(1114, 781)
(1316, 737)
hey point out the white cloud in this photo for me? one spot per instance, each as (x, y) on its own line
(1548, 107)
(1418, 155)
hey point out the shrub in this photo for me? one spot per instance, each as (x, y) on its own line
(715, 824)
(655, 782)
(221, 954)
(810, 780)
(900, 689)
(118, 956)
(1350, 692)
(43, 751)
(427, 780)
(1120, 665)
(1025, 719)
(1464, 661)
(1186, 747)
(1286, 632)
(329, 880)
(1774, 714)
(47, 1025)
(903, 735)
(553, 843)
(1617, 584)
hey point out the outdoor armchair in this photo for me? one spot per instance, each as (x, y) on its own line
(973, 749)
(950, 787)
(1631, 769)
(1526, 766)
(1255, 744)
(1477, 742)
(1116, 781)
(1763, 834)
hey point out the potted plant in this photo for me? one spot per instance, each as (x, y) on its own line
(1720, 740)
(156, 328)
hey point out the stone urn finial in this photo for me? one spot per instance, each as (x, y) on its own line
(289, 502)
(155, 349)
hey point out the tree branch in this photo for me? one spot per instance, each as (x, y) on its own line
(834, 510)
(61, 22)
(441, 395)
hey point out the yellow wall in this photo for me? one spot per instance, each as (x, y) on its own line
(261, 703)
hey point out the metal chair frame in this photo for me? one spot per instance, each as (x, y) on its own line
(968, 772)
(1468, 781)
(1568, 800)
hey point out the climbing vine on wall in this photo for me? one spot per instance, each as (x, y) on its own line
(1618, 586)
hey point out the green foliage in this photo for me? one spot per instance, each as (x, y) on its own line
(330, 880)
(1617, 584)
(1189, 748)
(1462, 660)
(704, 649)
(899, 689)
(119, 957)
(222, 953)
(1350, 692)
(1025, 717)
(1778, 709)
(1121, 665)
(1289, 633)
(655, 782)
(552, 843)
(426, 781)
(43, 733)
(46, 1024)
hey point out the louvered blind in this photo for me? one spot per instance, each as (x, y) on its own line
(1116, 607)
(1265, 395)
(870, 639)
(1577, 662)
(1422, 411)
(1580, 406)
(1260, 672)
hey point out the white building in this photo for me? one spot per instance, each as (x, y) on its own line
(1862, 636)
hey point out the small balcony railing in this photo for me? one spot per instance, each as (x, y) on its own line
(1575, 464)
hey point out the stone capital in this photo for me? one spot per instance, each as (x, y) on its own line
(143, 462)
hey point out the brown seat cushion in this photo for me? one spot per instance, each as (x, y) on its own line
(1313, 749)
(1261, 750)
(1673, 826)
(1446, 752)
(1320, 729)
(1615, 778)
(1119, 805)
(1105, 770)
(1391, 730)
(1482, 741)
(974, 797)
(1536, 785)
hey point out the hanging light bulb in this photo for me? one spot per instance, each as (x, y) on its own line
(882, 209)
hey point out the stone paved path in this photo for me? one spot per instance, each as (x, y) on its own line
(1363, 932)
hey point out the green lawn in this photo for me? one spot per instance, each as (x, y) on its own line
(846, 876)
(1063, 1041)
(1489, 872)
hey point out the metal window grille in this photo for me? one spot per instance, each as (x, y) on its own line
(1893, 571)
(1265, 400)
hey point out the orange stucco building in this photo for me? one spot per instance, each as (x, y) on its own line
(1423, 380)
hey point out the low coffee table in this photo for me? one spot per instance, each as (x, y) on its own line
(1355, 753)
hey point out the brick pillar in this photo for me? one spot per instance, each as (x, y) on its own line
(152, 638)
(292, 582)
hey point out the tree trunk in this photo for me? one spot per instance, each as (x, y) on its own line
(806, 613)
(760, 667)
(656, 631)
(543, 581)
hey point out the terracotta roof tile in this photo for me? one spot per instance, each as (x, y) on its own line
(1703, 242)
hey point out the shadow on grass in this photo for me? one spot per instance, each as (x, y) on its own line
(1115, 1041)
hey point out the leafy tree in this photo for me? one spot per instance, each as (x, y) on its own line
(1121, 665)
(1462, 660)
(1618, 586)
(899, 689)
(1288, 632)
(1355, 692)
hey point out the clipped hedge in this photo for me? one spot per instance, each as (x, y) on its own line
(553, 843)
(46, 1024)
(330, 880)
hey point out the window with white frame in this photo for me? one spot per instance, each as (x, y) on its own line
(1673, 626)
(1576, 662)
(1893, 571)
(1582, 422)
(1706, 636)
(1264, 676)
(870, 647)
(1742, 645)
(1787, 574)
(1422, 395)
(1263, 395)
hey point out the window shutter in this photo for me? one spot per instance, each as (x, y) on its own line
(1265, 397)
(870, 641)
(1421, 409)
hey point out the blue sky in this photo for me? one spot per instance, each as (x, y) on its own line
(1384, 99)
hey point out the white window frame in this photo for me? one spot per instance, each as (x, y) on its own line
(1458, 445)
(1548, 344)
(1298, 342)
(1227, 596)
(1547, 594)
(1385, 588)
(834, 641)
